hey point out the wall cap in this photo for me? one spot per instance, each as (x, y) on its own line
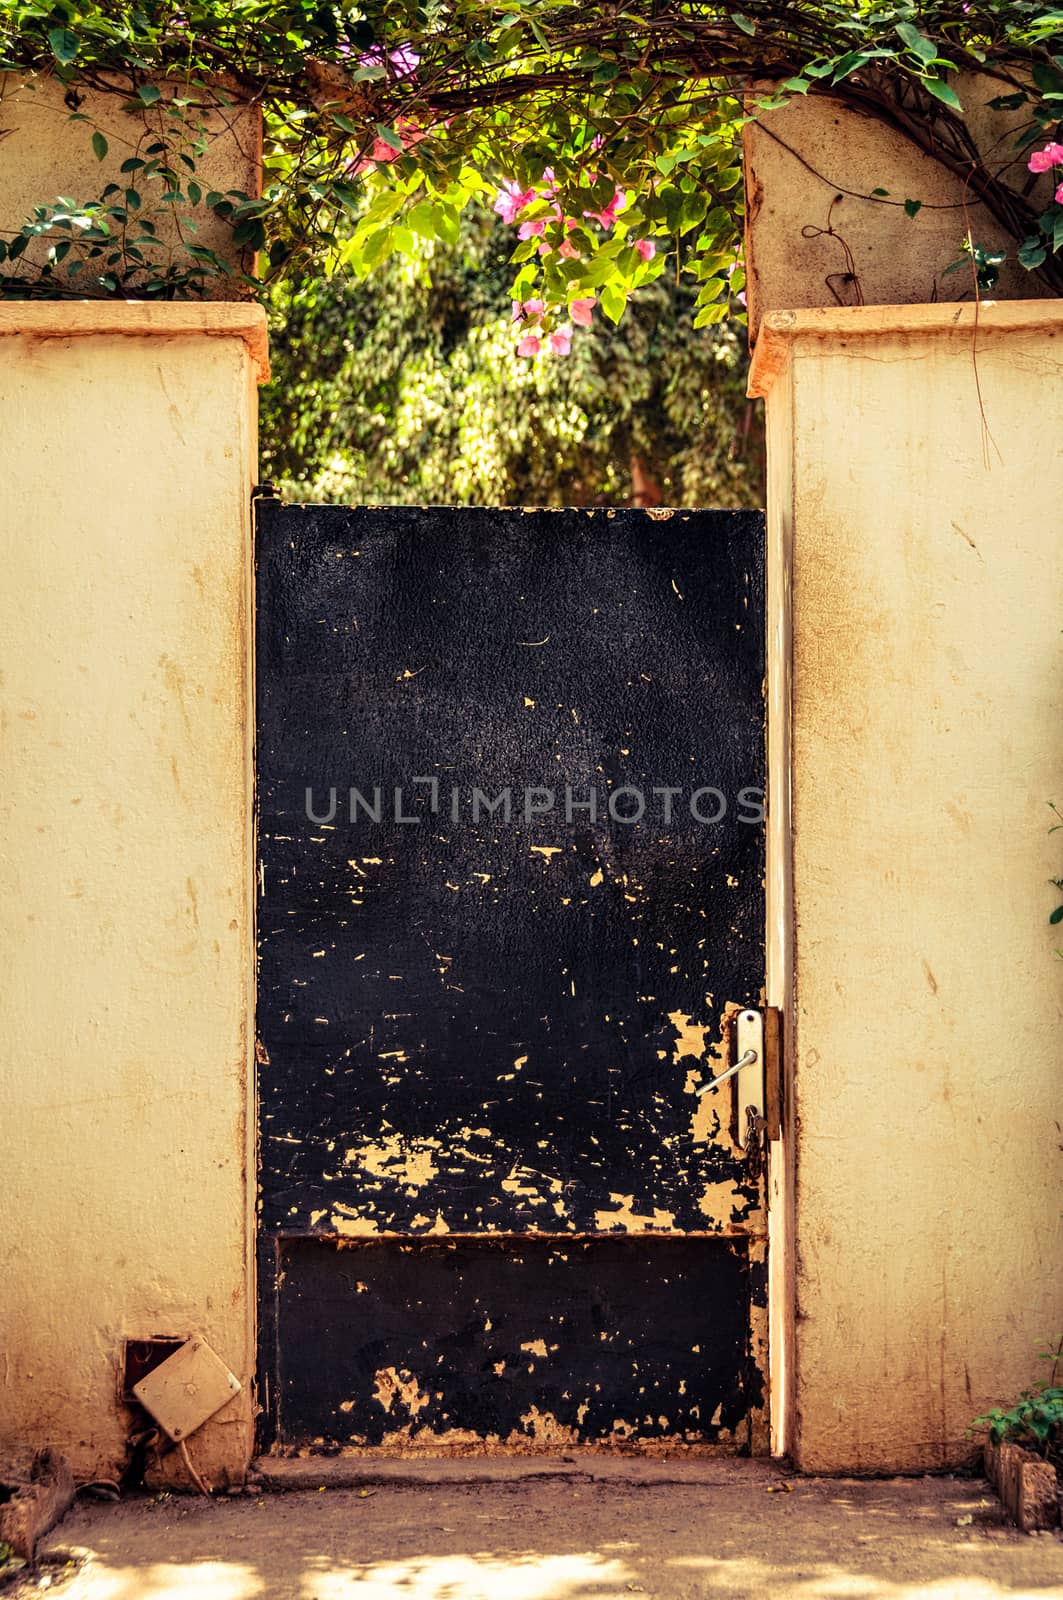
(780, 329)
(73, 319)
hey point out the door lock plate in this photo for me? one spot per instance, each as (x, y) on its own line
(749, 1077)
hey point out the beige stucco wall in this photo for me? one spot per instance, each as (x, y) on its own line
(925, 722)
(815, 163)
(45, 153)
(127, 456)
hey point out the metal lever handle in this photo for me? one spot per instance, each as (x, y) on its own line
(745, 1060)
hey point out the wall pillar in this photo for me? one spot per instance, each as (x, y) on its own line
(915, 476)
(127, 455)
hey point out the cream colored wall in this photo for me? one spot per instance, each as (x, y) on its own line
(44, 154)
(927, 739)
(815, 162)
(127, 456)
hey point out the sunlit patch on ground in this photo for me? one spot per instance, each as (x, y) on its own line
(734, 1536)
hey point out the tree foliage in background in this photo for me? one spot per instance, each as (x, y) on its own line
(616, 123)
(406, 390)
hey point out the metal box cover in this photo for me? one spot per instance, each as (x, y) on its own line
(187, 1389)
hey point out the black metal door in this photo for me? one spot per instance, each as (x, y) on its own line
(511, 854)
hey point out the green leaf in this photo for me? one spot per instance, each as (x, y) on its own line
(346, 194)
(1047, 79)
(1033, 252)
(913, 207)
(715, 312)
(1057, 916)
(250, 235)
(942, 91)
(613, 301)
(99, 145)
(850, 63)
(390, 137)
(65, 45)
(917, 42)
(149, 93)
(743, 22)
(423, 219)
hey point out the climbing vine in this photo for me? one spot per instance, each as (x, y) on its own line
(607, 135)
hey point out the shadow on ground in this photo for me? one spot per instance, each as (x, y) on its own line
(824, 1540)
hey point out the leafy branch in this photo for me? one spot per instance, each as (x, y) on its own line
(620, 119)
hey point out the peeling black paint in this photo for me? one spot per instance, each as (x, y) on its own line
(459, 1034)
(396, 998)
(521, 1341)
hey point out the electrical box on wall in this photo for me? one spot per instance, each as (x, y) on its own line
(187, 1389)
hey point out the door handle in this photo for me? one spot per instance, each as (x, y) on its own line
(749, 1071)
(745, 1060)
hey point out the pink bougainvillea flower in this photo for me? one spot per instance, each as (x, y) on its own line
(511, 200)
(646, 249)
(530, 345)
(608, 216)
(581, 311)
(532, 228)
(566, 251)
(527, 310)
(382, 151)
(405, 60)
(1044, 160)
(561, 341)
(1059, 195)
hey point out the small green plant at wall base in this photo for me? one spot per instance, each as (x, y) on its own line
(608, 136)
(1036, 1419)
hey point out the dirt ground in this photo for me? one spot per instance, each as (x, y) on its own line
(734, 1534)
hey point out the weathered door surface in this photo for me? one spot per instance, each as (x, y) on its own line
(510, 879)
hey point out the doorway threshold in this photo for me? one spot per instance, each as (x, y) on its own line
(279, 1473)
